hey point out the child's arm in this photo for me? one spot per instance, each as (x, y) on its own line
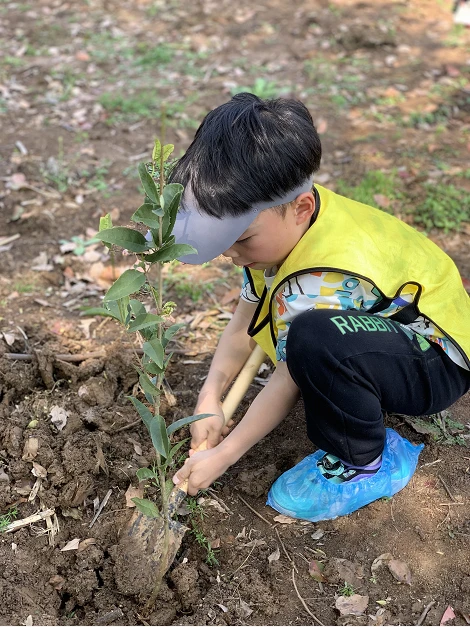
(268, 409)
(232, 351)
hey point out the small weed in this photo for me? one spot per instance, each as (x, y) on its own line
(455, 37)
(441, 428)
(6, 519)
(153, 56)
(263, 89)
(196, 510)
(23, 288)
(198, 514)
(445, 207)
(374, 182)
(347, 590)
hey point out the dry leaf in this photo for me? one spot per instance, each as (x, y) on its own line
(284, 520)
(318, 534)
(274, 556)
(231, 295)
(58, 417)
(72, 545)
(355, 604)
(9, 338)
(39, 471)
(448, 615)
(245, 609)
(215, 544)
(400, 570)
(379, 561)
(86, 543)
(57, 582)
(29, 621)
(315, 570)
(381, 201)
(132, 493)
(224, 608)
(30, 450)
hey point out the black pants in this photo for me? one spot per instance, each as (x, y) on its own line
(350, 366)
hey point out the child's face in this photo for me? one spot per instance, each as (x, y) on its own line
(270, 238)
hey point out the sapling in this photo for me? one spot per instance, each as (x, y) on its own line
(153, 325)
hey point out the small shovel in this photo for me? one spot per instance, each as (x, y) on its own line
(140, 548)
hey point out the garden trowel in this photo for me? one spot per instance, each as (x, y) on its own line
(141, 547)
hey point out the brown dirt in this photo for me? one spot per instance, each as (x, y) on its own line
(388, 48)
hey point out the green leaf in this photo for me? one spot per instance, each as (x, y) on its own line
(157, 151)
(185, 421)
(154, 350)
(159, 436)
(174, 449)
(171, 206)
(151, 368)
(148, 508)
(148, 387)
(138, 308)
(106, 222)
(167, 150)
(124, 237)
(144, 411)
(171, 252)
(98, 311)
(146, 215)
(145, 473)
(148, 184)
(143, 321)
(114, 309)
(171, 331)
(128, 283)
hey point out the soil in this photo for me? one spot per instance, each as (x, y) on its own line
(58, 60)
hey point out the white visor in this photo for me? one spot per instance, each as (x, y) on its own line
(212, 236)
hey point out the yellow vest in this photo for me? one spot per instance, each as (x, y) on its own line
(355, 239)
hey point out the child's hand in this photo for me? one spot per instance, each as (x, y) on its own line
(212, 428)
(202, 468)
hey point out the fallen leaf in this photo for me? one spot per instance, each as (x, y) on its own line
(284, 520)
(30, 450)
(85, 544)
(321, 126)
(274, 556)
(231, 295)
(355, 604)
(382, 201)
(39, 471)
(72, 545)
(58, 417)
(215, 544)
(29, 621)
(400, 570)
(318, 534)
(245, 609)
(9, 338)
(315, 570)
(222, 607)
(379, 561)
(448, 615)
(57, 582)
(132, 493)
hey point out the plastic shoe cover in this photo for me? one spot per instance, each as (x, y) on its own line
(302, 491)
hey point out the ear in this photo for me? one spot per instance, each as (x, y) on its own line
(304, 207)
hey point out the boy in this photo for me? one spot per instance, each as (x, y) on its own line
(360, 313)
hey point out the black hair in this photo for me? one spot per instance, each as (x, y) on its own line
(247, 151)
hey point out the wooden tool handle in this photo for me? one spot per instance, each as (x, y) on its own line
(236, 393)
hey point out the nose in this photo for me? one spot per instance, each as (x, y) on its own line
(230, 252)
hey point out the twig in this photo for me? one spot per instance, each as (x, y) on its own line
(285, 551)
(425, 612)
(219, 501)
(83, 356)
(245, 560)
(129, 426)
(303, 602)
(24, 522)
(101, 507)
(254, 511)
(109, 617)
(451, 496)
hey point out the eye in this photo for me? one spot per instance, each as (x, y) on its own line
(241, 241)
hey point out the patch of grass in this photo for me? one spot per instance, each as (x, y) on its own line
(23, 288)
(347, 590)
(262, 88)
(184, 285)
(153, 56)
(374, 182)
(455, 37)
(197, 515)
(444, 207)
(442, 428)
(7, 518)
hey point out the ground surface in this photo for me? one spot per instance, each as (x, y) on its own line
(81, 91)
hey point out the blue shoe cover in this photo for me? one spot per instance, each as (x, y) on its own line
(303, 492)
